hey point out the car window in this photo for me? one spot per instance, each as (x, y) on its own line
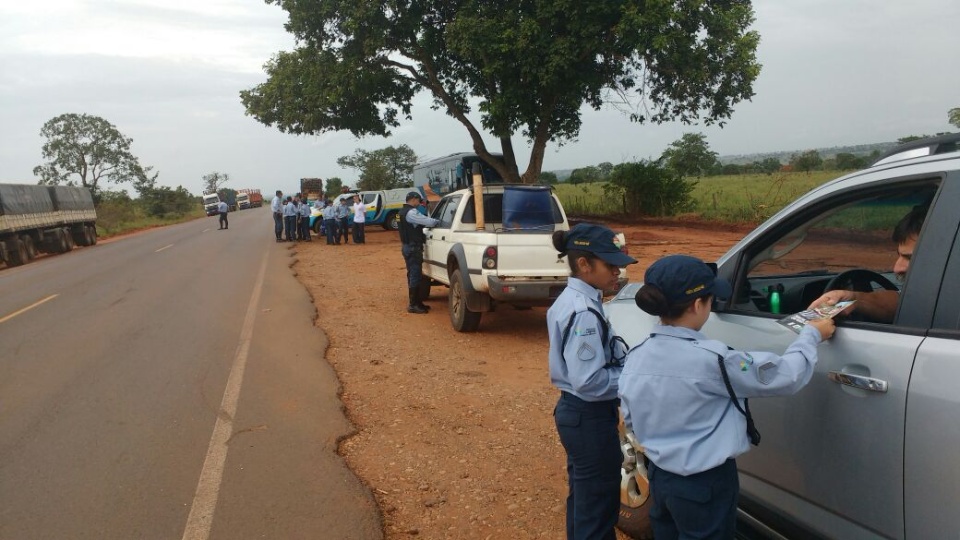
(368, 198)
(446, 211)
(845, 243)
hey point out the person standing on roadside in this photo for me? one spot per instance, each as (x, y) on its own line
(412, 239)
(305, 220)
(330, 223)
(276, 206)
(223, 209)
(681, 395)
(343, 220)
(585, 361)
(359, 218)
(290, 219)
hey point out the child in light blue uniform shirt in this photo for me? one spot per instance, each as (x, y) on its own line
(681, 395)
(585, 362)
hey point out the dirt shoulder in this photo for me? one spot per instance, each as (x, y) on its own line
(454, 431)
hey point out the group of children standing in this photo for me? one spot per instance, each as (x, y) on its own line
(683, 395)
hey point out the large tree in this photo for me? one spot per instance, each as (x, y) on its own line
(953, 116)
(690, 155)
(527, 66)
(212, 182)
(806, 161)
(85, 149)
(386, 168)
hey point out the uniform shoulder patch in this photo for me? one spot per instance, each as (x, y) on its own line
(745, 362)
(766, 372)
(586, 352)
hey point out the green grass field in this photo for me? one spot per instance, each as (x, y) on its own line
(748, 198)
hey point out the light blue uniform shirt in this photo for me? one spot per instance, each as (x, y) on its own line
(581, 368)
(276, 205)
(673, 396)
(305, 210)
(289, 209)
(329, 212)
(342, 211)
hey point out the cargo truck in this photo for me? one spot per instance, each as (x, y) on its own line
(249, 198)
(211, 204)
(311, 189)
(44, 219)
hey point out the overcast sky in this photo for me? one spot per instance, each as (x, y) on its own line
(167, 73)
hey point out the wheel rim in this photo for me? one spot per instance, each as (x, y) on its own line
(457, 294)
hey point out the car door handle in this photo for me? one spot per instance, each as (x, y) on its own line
(858, 381)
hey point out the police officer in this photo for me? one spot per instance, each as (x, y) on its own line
(585, 363)
(223, 209)
(412, 223)
(684, 397)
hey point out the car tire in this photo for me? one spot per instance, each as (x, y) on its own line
(423, 290)
(30, 246)
(635, 497)
(68, 239)
(18, 255)
(461, 318)
(316, 226)
(392, 222)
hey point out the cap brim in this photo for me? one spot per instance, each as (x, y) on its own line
(722, 289)
(617, 258)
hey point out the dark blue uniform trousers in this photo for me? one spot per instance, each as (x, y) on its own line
(413, 257)
(702, 505)
(588, 431)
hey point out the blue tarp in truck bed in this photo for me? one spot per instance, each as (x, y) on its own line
(16, 199)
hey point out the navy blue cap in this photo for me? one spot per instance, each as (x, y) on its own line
(414, 195)
(598, 240)
(682, 278)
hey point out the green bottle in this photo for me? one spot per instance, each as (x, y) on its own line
(775, 298)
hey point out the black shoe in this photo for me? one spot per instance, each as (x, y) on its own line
(416, 309)
(421, 305)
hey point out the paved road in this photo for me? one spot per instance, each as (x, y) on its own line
(171, 384)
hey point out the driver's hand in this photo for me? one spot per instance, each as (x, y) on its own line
(832, 297)
(826, 327)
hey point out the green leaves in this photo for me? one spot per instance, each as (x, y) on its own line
(529, 65)
(84, 148)
(386, 168)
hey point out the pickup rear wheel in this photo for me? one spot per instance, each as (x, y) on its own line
(462, 319)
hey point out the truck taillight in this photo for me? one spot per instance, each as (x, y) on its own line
(489, 258)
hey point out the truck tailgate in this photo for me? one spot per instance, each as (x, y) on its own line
(524, 254)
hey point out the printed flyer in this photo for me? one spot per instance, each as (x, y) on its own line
(796, 321)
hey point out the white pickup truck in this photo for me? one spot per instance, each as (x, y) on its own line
(506, 258)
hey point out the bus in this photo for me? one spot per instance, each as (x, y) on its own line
(440, 176)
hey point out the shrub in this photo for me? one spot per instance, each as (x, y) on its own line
(647, 188)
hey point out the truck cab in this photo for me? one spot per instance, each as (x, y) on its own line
(211, 201)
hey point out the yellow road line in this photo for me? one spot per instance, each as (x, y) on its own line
(28, 308)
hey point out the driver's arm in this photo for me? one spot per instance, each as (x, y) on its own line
(879, 306)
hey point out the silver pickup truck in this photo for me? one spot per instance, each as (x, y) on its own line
(866, 450)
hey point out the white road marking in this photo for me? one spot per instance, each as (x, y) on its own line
(208, 488)
(28, 308)
(163, 248)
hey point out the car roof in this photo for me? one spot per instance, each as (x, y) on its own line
(941, 144)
